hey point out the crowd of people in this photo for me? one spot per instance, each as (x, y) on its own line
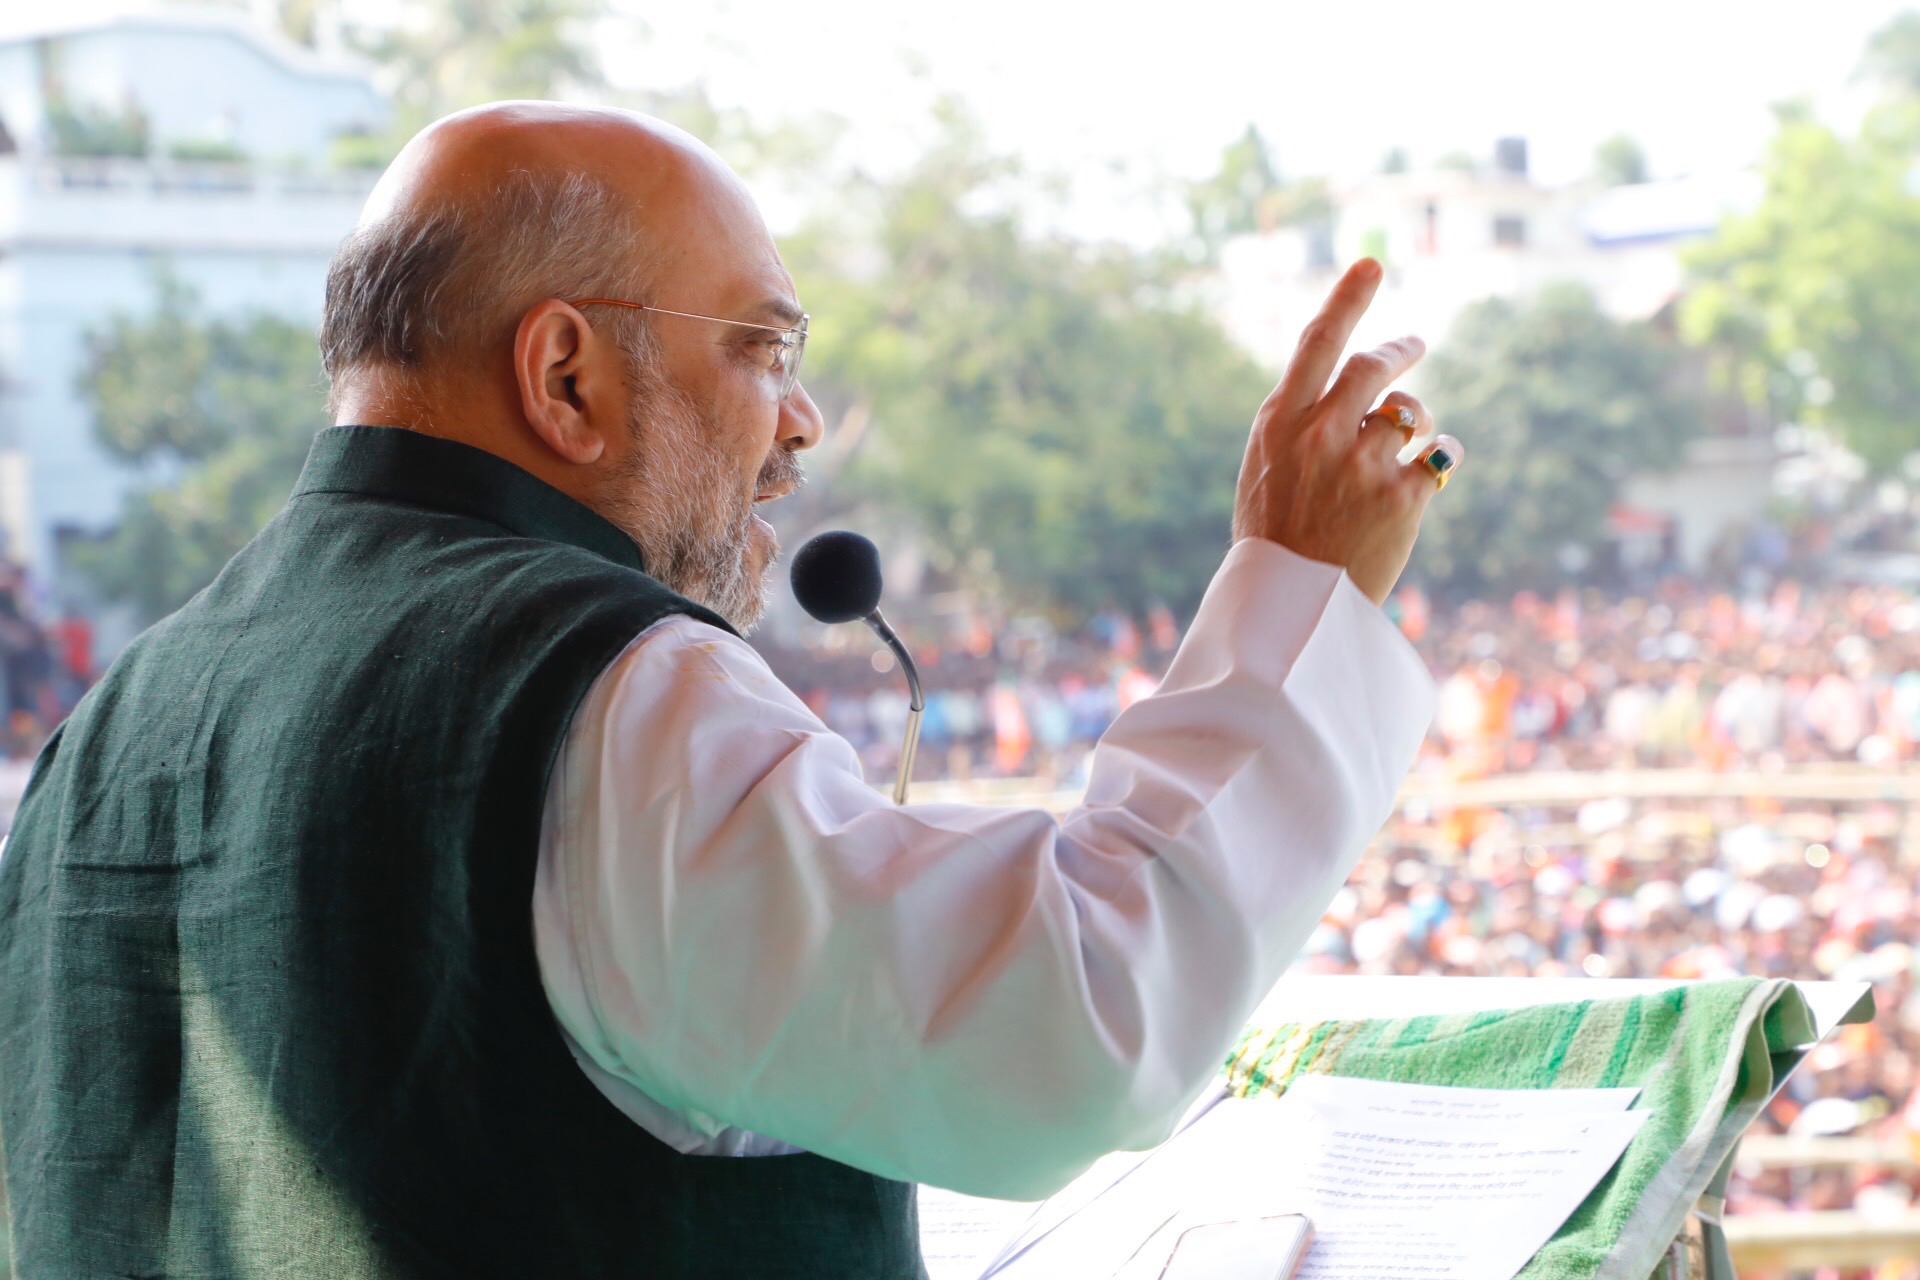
(1684, 675)
(44, 668)
(1770, 684)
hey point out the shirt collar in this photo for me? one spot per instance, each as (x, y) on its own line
(422, 470)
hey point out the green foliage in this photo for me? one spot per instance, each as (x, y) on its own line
(1030, 399)
(455, 53)
(80, 129)
(438, 56)
(207, 151)
(1247, 193)
(225, 407)
(434, 57)
(1811, 303)
(1230, 202)
(300, 20)
(1892, 59)
(362, 150)
(1558, 405)
(1619, 161)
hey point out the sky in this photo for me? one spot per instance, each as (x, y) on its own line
(1125, 94)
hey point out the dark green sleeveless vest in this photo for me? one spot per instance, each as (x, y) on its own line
(269, 1004)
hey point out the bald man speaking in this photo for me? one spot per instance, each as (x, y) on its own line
(449, 891)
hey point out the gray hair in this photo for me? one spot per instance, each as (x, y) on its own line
(415, 288)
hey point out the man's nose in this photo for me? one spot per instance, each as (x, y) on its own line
(801, 426)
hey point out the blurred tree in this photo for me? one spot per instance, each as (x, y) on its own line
(433, 57)
(1230, 202)
(207, 151)
(1395, 161)
(1247, 193)
(1892, 59)
(1810, 304)
(221, 413)
(437, 56)
(442, 55)
(1041, 410)
(301, 21)
(81, 129)
(1619, 161)
(1045, 412)
(1559, 405)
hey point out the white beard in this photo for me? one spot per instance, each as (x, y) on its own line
(684, 508)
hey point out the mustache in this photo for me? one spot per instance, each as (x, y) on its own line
(782, 471)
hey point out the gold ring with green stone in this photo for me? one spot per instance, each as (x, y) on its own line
(1440, 462)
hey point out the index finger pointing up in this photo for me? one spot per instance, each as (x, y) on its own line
(1324, 338)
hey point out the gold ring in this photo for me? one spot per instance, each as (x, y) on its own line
(1440, 462)
(1399, 416)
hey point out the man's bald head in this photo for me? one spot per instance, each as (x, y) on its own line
(463, 156)
(592, 296)
(488, 211)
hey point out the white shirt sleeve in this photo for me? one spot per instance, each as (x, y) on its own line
(733, 923)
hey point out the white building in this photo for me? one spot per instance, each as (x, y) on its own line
(83, 238)
(1451, 237)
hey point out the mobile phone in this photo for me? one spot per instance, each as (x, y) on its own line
(1256, 1249)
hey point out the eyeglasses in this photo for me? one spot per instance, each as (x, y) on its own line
(788, 349)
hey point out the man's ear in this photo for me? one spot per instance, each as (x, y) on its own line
(570, 381)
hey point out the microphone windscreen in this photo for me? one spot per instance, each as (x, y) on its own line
(836, 576)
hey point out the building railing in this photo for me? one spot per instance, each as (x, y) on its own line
(1539, 789)
(1812, 1241)
(161, 177)
(1835, 1238)
(164, 205)
(1796, 1151)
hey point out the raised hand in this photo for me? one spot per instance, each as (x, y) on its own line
(1322, 476)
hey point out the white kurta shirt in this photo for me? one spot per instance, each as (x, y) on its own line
(752, 951)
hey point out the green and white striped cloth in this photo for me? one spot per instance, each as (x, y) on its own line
(1706, 1058)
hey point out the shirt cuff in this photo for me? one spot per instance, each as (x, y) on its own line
(1303, 624)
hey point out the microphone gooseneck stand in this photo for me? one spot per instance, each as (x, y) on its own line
(910, 741)
(836, 578)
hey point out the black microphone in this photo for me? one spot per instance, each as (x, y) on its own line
(836, 578)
